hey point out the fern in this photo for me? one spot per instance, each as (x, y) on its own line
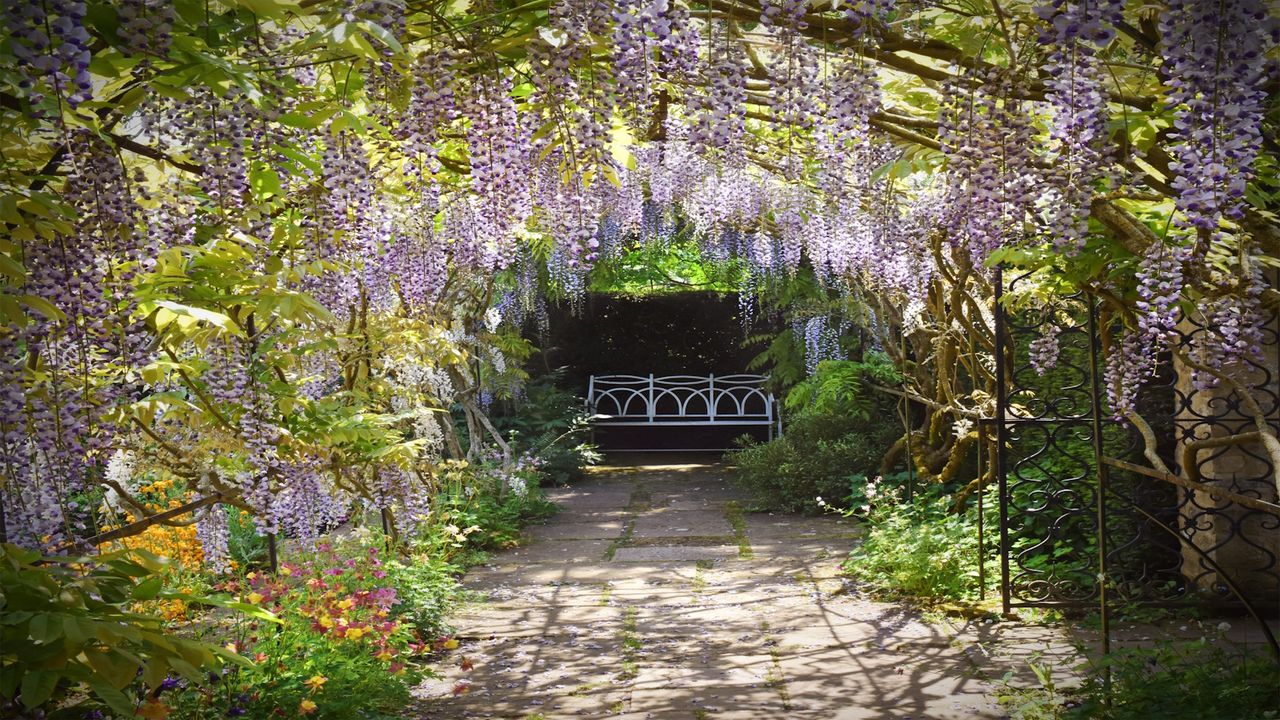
(839, 387)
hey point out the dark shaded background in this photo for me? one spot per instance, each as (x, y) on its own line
(687, 333)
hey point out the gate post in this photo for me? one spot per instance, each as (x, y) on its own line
(1002, 438)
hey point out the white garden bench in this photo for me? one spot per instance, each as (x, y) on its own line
(682, 401)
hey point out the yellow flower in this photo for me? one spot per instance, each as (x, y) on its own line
(173, 609)
(346, 604)
(355, 633)
(325, 621)
(306, 707)
(450, 644)
(284, 570)
(255, 598)
(315, 682)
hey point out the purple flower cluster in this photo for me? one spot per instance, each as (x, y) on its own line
(843, 144)
(399, 490)
(417, 260)
(795, 83)
(213, 533)
(987, 138)
(632, 51)
(1043, 352)
(862, 13)
(652, 40)
(1126, 367)
(146, 26)
(500, 153)
(794, 70)
(51, 45)
(784, 13)
(1131, 362)
(718, 115)
(1216, 71)
(1076, 29)
(217, 129)
(432, 106)
(1231, 331)
(1160, 282)
(56, 429)
(678, 39)
(821, 340)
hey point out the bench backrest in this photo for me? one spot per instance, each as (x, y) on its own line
(681, 399)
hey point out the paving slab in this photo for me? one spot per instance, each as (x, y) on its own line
(561, 551)
(683, 523)
(636, 602)
(608, 529)
(677, 552)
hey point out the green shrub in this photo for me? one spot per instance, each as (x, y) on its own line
(818, 456)
(478, 508)
(427, 590)
(839, 430)
(921, 549)
(69, 638)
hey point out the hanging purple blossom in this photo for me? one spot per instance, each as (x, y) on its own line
(1076, 30)
(1216, 71)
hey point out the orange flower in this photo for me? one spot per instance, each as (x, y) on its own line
(306, 707)
(154, 710)
(315, 682)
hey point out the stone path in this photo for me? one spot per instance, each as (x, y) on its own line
(652, 595)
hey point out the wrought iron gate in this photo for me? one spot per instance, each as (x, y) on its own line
(1083, 522)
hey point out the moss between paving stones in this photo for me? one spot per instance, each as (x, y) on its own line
(683, 541)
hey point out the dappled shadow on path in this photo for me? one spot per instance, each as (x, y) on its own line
(652, 596)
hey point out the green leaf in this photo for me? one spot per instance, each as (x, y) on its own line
(42, 306)
(269, 8)
(12, 269)
(381, 34)
(215, 318)
(38, 687)
(113, 697)
(45, 628)
(156, 670)
(185, 669)
(111, 668)
(264, 181)
(148, 589)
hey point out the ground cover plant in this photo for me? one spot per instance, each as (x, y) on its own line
(921, 548)
(1174, 679)
(269, 266)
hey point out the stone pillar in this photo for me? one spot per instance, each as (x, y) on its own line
(1245, 543)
